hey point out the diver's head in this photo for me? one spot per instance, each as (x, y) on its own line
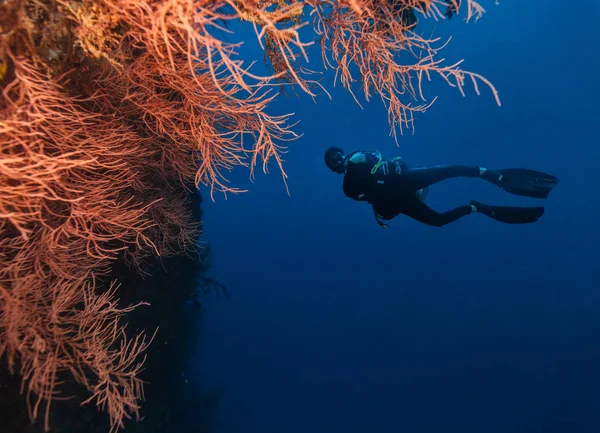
(334, 159)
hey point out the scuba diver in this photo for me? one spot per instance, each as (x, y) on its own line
(392, 188)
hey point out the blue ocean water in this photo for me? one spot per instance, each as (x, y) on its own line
(337, 325)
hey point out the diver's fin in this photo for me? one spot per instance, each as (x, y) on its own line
(510, 214)
(522, 181)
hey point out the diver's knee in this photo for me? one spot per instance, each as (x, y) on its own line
(437, 222)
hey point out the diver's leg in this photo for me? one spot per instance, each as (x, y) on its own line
(421, 212)
(415, 179)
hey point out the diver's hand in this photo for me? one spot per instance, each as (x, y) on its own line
(378, 219)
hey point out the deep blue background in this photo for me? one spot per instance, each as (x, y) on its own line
(336, 325)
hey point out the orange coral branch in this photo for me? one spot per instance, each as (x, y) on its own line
(375, 40)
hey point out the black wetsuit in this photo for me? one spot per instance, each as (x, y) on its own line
(392, 188)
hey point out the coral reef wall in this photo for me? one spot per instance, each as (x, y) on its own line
(171, 401)
(112, 112)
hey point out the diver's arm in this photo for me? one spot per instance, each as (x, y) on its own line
(353, 189)
(357, 177)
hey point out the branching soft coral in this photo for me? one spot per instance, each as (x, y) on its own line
(188, 91)
(391, 58)
(69, 210)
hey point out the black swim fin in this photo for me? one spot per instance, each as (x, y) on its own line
(510, 214)
(522, 181)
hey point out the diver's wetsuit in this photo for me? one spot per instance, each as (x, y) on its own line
(393, 188)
